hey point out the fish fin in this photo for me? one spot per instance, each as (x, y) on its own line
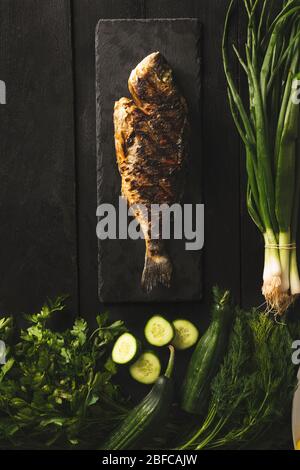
(157, 270)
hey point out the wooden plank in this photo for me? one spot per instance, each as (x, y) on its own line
(86, 14)
(38, 230)
(178, 41)
(221, 158)
(252, 251)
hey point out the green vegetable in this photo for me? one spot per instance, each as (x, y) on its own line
(252, 392)
(125, 349)
(269, 128)
(186, 334)
(207, 356)
(146, 369)
(146, 418)
(159, 331)
(56, 388)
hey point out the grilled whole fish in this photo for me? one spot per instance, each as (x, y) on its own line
(151, 134)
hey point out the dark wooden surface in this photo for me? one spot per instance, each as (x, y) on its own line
(252, 249)
(221, 160)
(37, 159)
(221, 171)
(48, 166)
(48, 190)
(179, 41)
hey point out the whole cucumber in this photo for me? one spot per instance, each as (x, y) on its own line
(144, 420)
(207, 356)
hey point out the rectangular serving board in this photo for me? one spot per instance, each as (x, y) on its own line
(120, 46)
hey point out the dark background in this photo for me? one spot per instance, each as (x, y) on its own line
(48, 159)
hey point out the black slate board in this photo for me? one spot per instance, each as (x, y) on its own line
(120, 45)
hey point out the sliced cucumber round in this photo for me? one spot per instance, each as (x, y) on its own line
(146, 369)
(186, 334)
(125, 349)
(159, 331)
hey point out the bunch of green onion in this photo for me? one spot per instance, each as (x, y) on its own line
(269, 128)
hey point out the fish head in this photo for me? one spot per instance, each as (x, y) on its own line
(151, 82)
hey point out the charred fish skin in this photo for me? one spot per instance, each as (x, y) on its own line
(151, 141)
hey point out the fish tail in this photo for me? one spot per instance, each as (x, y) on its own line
(157, 270)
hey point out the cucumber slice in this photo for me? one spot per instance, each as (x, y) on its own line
(159, 331)
(125, 349)
(186, 334)
(146, 369)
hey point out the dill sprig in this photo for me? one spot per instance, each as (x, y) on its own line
(253, 388)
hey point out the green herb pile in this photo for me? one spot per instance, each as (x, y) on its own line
(251, 394)
(56, 388)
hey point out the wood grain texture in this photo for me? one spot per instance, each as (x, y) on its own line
(37, 197)
(178, 40)
(252, 245)
(221, 157)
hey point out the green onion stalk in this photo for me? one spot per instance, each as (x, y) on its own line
(268, 125)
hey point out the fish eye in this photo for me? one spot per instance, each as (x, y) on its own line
(166, 76)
